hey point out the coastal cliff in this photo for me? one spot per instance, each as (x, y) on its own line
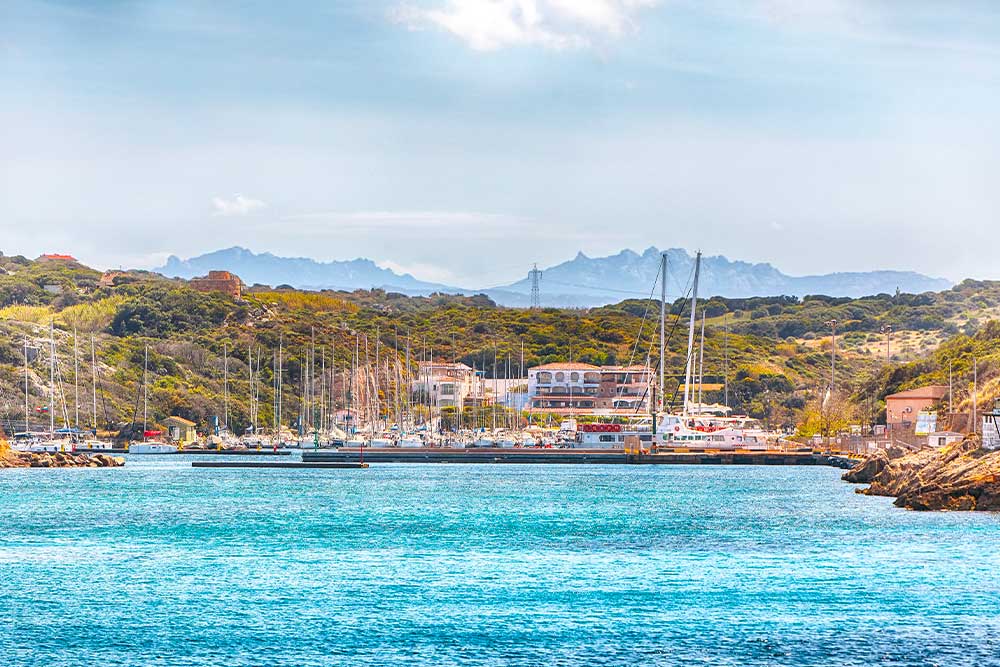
(962, 476)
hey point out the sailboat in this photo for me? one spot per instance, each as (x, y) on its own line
(94, 444)
(691, 428)
(49, 443)
(148, 446)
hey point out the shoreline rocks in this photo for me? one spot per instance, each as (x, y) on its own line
(59, 460)
(962, 477)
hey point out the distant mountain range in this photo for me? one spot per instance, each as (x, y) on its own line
(581, 281)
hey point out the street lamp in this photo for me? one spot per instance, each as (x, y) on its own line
(887, 330)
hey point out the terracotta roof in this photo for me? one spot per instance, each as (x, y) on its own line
(564, 366)
(179, 420)
(934, 392)
(68, 258)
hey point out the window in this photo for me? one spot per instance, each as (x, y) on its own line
(575, 377)
(560, 376)
(607, 438)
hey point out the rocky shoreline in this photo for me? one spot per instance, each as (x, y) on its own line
(59, 460)
(961, 477)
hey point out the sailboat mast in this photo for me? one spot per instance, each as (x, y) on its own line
(52, 378)
(277, 421)
(725, 363)
(225, 384)
(663, 321)
(76, 382)
(145, 391)
(26, 401)
(690, 350)
(93, 376)
(701, 361)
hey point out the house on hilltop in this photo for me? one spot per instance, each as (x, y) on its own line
(56, 257)
(219, 281)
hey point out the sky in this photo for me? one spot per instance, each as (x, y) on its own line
(464, 140)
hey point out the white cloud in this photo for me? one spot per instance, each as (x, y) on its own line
(238, 205)
(489, 25)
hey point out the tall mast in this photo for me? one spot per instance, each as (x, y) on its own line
(725, 361)
(250, 379)
(409, 393)
(26, 401)
(281, 343)
(145, 391)
(93, 375)
(701, 360)
(76, 382)
(690, 351)
(52, 378)
(663, 319)
(225, 384)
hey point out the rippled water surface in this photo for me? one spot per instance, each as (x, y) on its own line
(161, 564)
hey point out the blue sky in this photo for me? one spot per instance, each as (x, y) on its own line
(464, 140)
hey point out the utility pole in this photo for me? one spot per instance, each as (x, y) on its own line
(833, 353)
(975, 394)
(951, 403)
(536, 278)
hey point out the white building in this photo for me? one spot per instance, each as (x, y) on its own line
(991, 428)
(449, 384)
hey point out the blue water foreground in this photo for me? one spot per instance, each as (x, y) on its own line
(161, 564)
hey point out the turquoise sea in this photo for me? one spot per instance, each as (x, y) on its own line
(161, 564)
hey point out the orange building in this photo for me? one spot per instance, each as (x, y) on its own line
(902, 408)
(55, 257)
(219, 281)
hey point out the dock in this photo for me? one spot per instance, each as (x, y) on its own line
(315, 465)
(192, 452)
(571, 456)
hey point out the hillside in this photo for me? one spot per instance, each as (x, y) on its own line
(187, 332)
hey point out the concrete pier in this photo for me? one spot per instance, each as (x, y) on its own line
(279, 464)
(555, 456)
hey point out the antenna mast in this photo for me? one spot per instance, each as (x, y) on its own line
(536, 277)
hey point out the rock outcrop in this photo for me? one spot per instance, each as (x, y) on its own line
(962, 476)
(14, 459)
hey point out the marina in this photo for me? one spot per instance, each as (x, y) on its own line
(571, 456)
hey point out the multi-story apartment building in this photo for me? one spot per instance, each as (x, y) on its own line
(449, 384)
(577, 388)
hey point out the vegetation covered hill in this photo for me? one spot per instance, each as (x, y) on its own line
(774, 349)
